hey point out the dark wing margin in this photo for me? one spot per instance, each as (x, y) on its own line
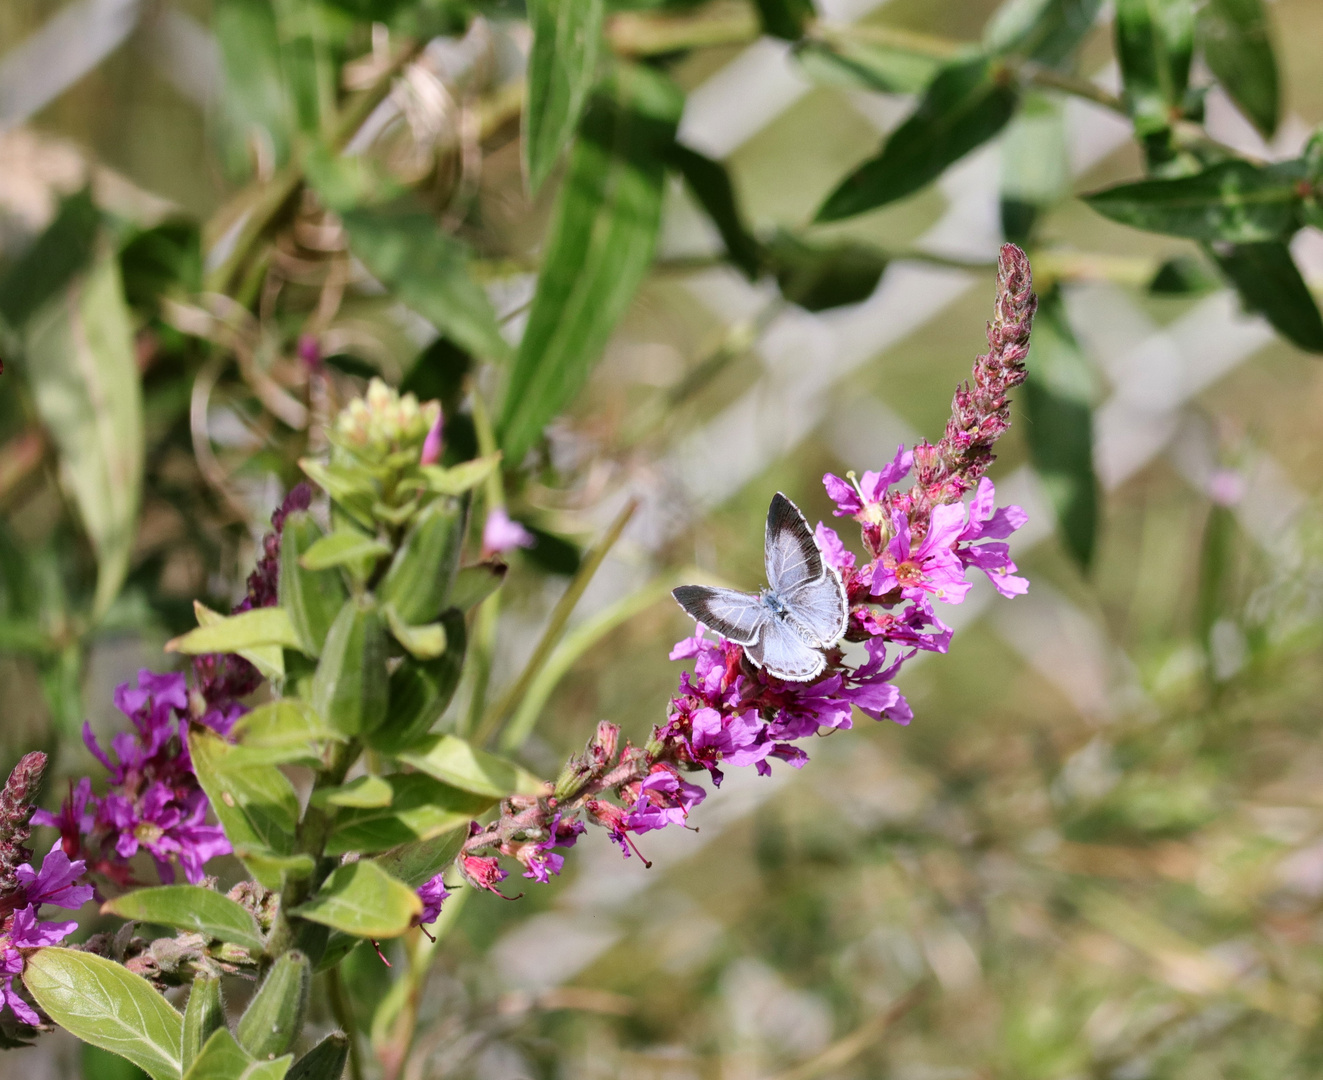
(791, 553)
(736, 616)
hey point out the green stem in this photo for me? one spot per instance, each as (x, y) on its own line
(344, 1016)
(483, 643)
(500, 712)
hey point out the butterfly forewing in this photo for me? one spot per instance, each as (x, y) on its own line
(790, 551)
(736, 616)
(783, 653)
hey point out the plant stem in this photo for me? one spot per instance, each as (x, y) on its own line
(489, 611)
(560, 614)
(344, 1016)
(642, 33)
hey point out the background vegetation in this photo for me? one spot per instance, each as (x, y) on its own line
(1098, 851)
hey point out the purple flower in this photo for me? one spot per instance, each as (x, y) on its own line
(663, 799)
(852, 500)
(74, 819)
(873, 692)
(834, 551)
(737, 739)
(432, 444)
(930, 569)
(500, 533)
(987, 524)
(538, 857)
(433, 893)
(484, 871)
(52, 884)
(916, 626)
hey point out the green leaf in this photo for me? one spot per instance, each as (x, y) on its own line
(567, 35)
(275, 1014)
(325, 1061)
(351, 684)
(1183, 275)
(190, 907)
(224, 1059)
(47, 268)
(420, 577)
(784, 19)
(79, 358)
(102, 1003)
(427, 268)
(422, 808)
(421, 690)
(1270, 285)
(473, 584)
(250, 629)
(265, 866)
(425, 642)
(366, 791)
(461, 478)
(268, 659)
(1233, 201)
(1044, 30)
(362, 899)
(311, 598)
(469, 768)
(1035, 172)
(204, 1015)
(710, 184)
(348, 548)
(1154, 44)
(818, 277)
(1236, 41)
(255, 105)
(967, 104)
(351, 492)
(288, 725)
(421, 860)
(602, 237)
(1059, 396)
(256, 804)
(847, 64)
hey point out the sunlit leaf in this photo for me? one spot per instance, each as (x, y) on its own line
(465, 766)
(422, 808)
(362, 899)
(1154, 44)
(421, 860)
(103, 1003)
(425, 642)
(966, 105)
(224, 1059)
(190, 907)
(235, 633)
(602, 236)
(366, 791)
(344, 547)
(562, 66)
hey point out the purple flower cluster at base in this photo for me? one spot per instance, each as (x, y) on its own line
(22, 929)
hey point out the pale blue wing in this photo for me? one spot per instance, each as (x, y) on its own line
(791, 553)
(819, 608)
(783, 653)
(736, 616)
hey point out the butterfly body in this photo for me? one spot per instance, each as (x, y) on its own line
(784, 627)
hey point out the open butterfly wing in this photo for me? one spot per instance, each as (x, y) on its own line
(791, 554)
(783, 653)
(736, 616)
(820, 609)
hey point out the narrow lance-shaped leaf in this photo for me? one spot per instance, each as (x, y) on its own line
(822, 276)
(190, 907)
(256, 105)
(104, 1004)
(784, 19)
(311, 598)
(710, 184)
(79, 358)
(850, 64)
(567, 36)
(465, 766)
(967, 104)
(1059, 401)
(428, 269)
(1034, 169)
(1154, 44)
(602, 239)
(351, 684)
(204, 1015)
(1236, 41)
(1233, 201)
(1044, 30)
(236, 633)
(1270, 285)
(421, 808)
(50, 264)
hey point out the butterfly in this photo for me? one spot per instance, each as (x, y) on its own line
(783, 628)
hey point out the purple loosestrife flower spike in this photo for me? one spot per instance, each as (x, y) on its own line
(15, 803)
(432, 444)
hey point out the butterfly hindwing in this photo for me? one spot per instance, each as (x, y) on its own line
(736, 616)
(819, 609)
(782, 652)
